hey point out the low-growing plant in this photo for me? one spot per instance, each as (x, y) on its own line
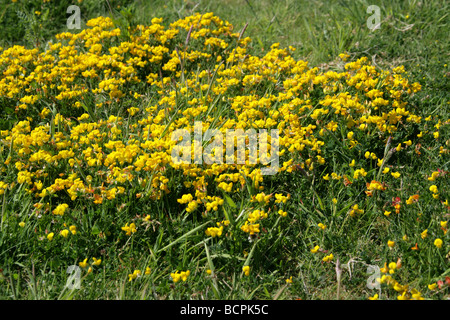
(89, 179)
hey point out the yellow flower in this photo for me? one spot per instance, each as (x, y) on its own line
(282, 213)
(434, 175)
(316, 248)
(328, 258)
(282, 199)
(392, 266)
(335, 176)
(147, 218)
(148, 270)
(399, 288)
(396, 175)
(432, 286)
(175, 277)
(83, 264)
(288, 281)
(387, 213)
(73, 229)
(416, 295)
(322, 226)
(354, 210)
(424, 234)
(434, 189)
(391, 244)
(344, 56)
(412, 199)
(375, 297)
(379, 162)
(129, 229)
(213, 232)
(246, 270)
(208, 271)
(22, 224)
(60, 209)
(403, 296)
(50, 236)
(96, 261)
(64, 233)
(334, 200)
(184, 275)
(134, 275)
(438, 243)
(384, 279)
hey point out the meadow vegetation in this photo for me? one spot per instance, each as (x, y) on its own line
(87, 176)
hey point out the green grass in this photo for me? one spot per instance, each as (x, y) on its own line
(412, 33)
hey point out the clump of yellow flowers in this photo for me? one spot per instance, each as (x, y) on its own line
(180, 275)
(116, 100)
(405, 293)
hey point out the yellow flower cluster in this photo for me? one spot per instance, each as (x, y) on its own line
(177, 276)
(246, 270)
(98, 108)
(328, 258)
(214, 232)
(355, 210)
(116, 155)
(83, 264)
(129, 229)
(403, 290)
(60, 209)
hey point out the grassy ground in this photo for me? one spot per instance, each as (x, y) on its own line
(412, 34)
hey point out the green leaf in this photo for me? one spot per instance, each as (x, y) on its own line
(213, 278)
(184, 236)
(95, 230)
(230, 202)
